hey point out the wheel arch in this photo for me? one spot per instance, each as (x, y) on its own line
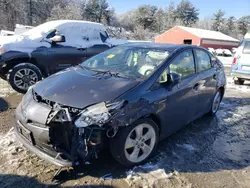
(13, 62)
(155, 119)
(222, 90)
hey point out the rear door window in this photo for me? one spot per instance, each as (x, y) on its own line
(203, 60)
(246, 49)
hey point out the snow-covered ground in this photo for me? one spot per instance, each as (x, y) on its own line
(5, 88)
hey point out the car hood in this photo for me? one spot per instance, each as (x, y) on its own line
(79, 88)
(20, 43)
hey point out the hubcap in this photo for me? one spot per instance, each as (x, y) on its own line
(216, 102)
(140, 143)
(24, 78)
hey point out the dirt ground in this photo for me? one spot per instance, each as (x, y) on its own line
(210, 152)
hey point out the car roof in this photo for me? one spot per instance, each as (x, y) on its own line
(161, 46)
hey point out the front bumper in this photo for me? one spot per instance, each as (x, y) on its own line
(36, 137)
(39, 152)
(240, 75)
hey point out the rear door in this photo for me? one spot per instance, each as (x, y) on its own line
(243, 62)
(207, 81)
(181, 100)
(96, 49)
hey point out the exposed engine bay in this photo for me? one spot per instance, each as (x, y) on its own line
(76, 134)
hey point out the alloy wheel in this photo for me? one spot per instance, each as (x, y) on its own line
(140, 143)
(24, 78)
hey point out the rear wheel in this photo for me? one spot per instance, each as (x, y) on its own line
(216, 102)
(134, 144)
(239, 81)
(24, 75)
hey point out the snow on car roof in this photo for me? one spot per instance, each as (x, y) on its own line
(208, 34)
(59, 22)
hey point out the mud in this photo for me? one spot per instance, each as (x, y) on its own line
(210, 152)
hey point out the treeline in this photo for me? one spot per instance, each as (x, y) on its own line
(142, 23)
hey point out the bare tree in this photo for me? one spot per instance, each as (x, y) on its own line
(70, 10)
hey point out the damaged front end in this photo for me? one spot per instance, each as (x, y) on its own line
(77, 135)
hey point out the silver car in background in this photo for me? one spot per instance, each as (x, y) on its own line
(240, 70)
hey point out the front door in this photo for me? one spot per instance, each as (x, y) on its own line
(181, 100)
(62, 57)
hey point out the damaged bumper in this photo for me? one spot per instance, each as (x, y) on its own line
(40, 153)
(50, 131)
(35, 136)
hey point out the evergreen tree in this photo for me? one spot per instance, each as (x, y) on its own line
(187, 13)
(219, 21)
(244, 24)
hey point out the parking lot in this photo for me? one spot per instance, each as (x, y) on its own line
(210, 152)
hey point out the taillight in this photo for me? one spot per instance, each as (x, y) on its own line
(234, 61)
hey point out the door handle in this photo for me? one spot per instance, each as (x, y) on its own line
(81, 49)
(196, 86)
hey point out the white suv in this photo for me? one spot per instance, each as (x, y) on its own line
(241, 63)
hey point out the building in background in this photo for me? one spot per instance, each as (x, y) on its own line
(199, 37)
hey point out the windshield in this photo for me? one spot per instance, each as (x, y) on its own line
(132, 62)
(40, 31)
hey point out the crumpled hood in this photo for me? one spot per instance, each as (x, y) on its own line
(79, 88)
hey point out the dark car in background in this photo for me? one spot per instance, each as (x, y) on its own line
(49, 48)
(127, 99)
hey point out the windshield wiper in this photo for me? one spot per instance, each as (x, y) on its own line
(102, 72)
(117, 74)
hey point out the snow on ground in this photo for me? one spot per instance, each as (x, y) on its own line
(242, 88)
(5, 88)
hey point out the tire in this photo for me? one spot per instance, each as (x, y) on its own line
(24, 75)
(239, 82)
(216, 103)
(121, 141)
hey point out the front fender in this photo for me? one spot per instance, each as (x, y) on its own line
(12, 55)
(131, 112)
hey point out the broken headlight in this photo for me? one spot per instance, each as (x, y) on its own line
(97, 114)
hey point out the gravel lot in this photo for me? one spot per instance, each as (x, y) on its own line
(210, 152)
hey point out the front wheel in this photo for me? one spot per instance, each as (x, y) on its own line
(24, 75)
(134, 144)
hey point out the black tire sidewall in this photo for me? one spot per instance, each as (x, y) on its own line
(117, 143)
(13, 71)
(239, 82)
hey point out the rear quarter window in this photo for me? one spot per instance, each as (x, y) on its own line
(246, 49)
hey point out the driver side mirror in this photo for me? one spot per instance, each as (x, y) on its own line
(175, 78)
(58, 38)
